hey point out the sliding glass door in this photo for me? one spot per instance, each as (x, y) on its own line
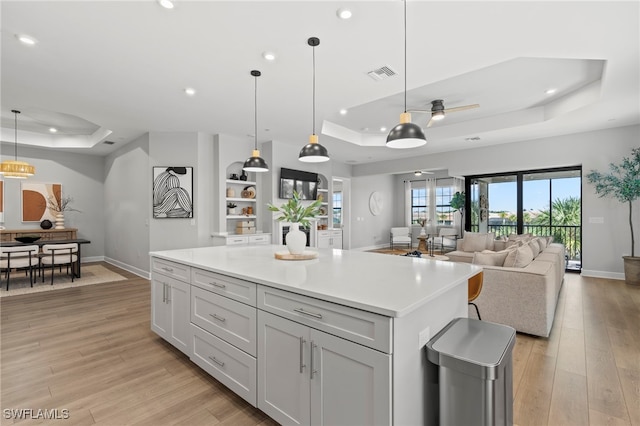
(540, 202)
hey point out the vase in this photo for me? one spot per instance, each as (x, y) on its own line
(59, 221)
(296, 239)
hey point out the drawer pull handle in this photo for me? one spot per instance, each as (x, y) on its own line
(302, 366)
(313, 371)
(217, 361)
(311, 314)
(215, 284)
(219, 318)
(164, 268)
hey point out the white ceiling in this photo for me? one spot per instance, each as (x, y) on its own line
(114, 70)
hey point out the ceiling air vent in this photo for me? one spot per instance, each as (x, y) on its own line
(381, 73)
(109, 142)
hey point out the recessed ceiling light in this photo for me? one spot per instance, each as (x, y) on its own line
(190, 91)
(343, 112)
(269, 56)
(551, 91)
(53, 130)
(26, 39)
(167, 4)
(344, 13)
(383, 129)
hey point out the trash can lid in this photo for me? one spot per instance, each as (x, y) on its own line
(474, 346)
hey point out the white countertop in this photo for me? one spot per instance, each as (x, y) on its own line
(385, 284)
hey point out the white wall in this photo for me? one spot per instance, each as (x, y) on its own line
(367, 230)
(127, 197)
(603, 245)
(81, 177)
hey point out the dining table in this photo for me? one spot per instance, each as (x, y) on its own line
(40, 243)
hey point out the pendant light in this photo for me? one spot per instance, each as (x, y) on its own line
(14, 168)
(255, 163)
(313, 152)
(406, 134)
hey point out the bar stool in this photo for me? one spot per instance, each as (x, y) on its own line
(475, 287)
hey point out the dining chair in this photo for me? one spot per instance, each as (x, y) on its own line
(475, 287)
(19, 257)
(53, 255)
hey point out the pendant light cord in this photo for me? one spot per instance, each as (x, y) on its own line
(255, 114)
(15, 146)
(314, 91)
(405, 55)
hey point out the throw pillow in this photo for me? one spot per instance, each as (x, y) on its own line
(543, 243)
(490, 258)
(512, 244)
(491, 236)
(535, 247)
(519, 258)
(474, 241)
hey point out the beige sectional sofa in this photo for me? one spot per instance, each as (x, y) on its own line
(524, 293)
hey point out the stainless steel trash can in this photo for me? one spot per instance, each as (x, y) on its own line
(475, 372)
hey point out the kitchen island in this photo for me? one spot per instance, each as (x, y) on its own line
(334, 340)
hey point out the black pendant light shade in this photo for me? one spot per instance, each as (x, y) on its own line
(255, 163)
(313, 152)
(406, 134)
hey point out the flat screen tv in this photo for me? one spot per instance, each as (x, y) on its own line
(305, 183)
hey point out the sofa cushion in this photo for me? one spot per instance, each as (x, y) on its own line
(535, 247)
(490, 258)
(474, 242)
(519, 258)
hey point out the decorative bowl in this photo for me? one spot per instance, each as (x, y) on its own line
(28, 238)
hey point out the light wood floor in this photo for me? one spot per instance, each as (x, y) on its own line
(90, 350)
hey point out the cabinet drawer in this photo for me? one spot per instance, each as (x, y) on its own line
(229, 320)
(227, 364)
(171, 269)
(234, 241)
(358, 326)
(234, 288)
(260, 239)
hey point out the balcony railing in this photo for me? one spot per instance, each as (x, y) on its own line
(569, 235)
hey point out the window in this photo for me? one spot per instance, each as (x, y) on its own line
(337, 209)
(444, 212)
(419, 204)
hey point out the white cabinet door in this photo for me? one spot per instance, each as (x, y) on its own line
(324, 240)
(351, 384)
(179, 295)
(159, 308)
(283, 373)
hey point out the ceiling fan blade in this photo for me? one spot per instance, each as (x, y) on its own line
(461, 108)
(422, 111)
(431, 121)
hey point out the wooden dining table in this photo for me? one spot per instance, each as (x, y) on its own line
(40, 243)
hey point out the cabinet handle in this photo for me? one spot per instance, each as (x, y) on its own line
(215, 284)
(217, 361)
(168, 293)
(164, 293)
(219, 318)
(311, 314)
(302, 342)
(313, 347)
(165, 268)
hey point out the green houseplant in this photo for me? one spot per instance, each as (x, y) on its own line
(623, 183)
(297, 214)
(457, 204)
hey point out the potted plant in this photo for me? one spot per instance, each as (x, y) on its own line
(457, 204)
(623, 183)
(294, 212)
(59, 206)
(231, 208)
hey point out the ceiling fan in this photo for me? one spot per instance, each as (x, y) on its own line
(438, 110)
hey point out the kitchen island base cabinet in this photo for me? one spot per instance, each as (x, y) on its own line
(170, 310)
(310, 377)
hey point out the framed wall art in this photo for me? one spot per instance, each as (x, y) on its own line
(35, 196)
(172, 192)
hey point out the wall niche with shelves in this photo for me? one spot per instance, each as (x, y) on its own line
(241, 205)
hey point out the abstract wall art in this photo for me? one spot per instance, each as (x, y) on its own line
(172, 192)
(34, 200)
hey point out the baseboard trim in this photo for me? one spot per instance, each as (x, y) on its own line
(378, 246)
(139, 272)
(602, 274)
(92, 259)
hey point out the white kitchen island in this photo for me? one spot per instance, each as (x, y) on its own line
(336, 340)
